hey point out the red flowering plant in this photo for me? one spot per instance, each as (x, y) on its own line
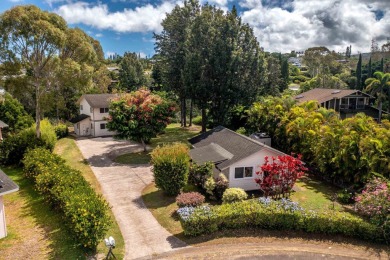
(278, 175)
(139, 115)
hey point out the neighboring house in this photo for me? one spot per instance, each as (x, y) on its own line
(2, 125)
(237, 156)
(93, 111)
(348, 102)
(6, 186)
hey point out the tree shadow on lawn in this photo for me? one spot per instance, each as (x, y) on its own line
(157, 199)
(61, 243)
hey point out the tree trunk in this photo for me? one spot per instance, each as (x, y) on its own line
(204, 120)
(37, 113)
(143, 144)
(191, 108)
(184, 112)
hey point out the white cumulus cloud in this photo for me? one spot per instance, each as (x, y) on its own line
(145, 18)
(335, 24)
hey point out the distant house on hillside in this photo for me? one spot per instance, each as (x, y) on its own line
(93, 111)
(236, 156)
(348, 102)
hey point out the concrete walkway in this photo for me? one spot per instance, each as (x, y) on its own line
(122, 186)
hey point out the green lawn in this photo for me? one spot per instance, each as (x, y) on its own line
(173, 133)
(68, 150)
(34, 229)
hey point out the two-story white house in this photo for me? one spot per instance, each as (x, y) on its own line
(93, 111)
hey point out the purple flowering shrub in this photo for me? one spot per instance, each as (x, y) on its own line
(374, 201)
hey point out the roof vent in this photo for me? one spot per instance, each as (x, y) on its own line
(336, 91)
(299, 96)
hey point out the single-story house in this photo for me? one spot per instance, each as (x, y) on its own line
(6, 186)
(347, 102)
(237, 156)
(93, 111)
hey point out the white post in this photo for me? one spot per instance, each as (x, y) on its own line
(3, 227)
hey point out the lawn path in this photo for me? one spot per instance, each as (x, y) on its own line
(122, 187)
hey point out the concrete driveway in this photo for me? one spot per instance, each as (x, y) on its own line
(122, 186)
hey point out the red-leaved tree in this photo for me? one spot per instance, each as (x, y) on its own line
(278, 175)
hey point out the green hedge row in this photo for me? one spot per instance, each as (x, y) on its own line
(275, 216)
(84, 212)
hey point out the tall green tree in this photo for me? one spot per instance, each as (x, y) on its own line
(369, 72)
(359, 73)
(34, 38)
(170, 45)
(131, 72)
(12, 113)
(285, 74)
(376, 86)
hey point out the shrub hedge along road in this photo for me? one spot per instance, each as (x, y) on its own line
(85, 213)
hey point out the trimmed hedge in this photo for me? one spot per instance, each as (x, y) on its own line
(233, 195)
(282, 215)
(61, 131)
(171, 165)
(84, 212)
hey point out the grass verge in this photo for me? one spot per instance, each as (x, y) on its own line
(35, 231)
(173, 133)
(67, 149)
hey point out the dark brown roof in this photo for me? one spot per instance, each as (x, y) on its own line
(2, 124)
(236, 144)
(79, 118)
(6, 184)
(98, 100)
(326, 94)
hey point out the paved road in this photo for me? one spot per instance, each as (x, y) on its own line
(122, 186)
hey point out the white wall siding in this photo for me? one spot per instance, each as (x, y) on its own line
(83, 128)
(255, 161)
(101, 132)
(98, 115)
(86, 108)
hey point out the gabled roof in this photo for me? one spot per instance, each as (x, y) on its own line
(210, 153)
(97, 100)
(79, 118)
(326, 94)
(2, 124)
(6, 184)
(235, 144)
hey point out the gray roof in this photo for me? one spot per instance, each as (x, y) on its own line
(210, 153)
(6, 184)
(79, 118)
(236, 144)
(98, 100)
(325, 94)
(2, 124)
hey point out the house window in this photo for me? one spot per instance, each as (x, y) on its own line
(102, 126)
(91, 110)
(91, 126)
(81, 107)
(103, 110)
(243, 172)
(78, 126)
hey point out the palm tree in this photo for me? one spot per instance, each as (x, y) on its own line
(376, 86)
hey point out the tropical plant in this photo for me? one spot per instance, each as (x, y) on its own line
(376, 86)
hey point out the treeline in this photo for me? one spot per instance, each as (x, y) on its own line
(208, 58)
(347, 152)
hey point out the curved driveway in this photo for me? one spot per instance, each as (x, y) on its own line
(122, 187)
(145, 238)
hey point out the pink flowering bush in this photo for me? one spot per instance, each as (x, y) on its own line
(374, 201)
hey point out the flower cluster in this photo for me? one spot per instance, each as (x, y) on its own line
(374, 201)
(266, 200)
(185, 213)
(289, 205)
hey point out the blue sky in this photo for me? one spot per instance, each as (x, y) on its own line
(279, 25)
